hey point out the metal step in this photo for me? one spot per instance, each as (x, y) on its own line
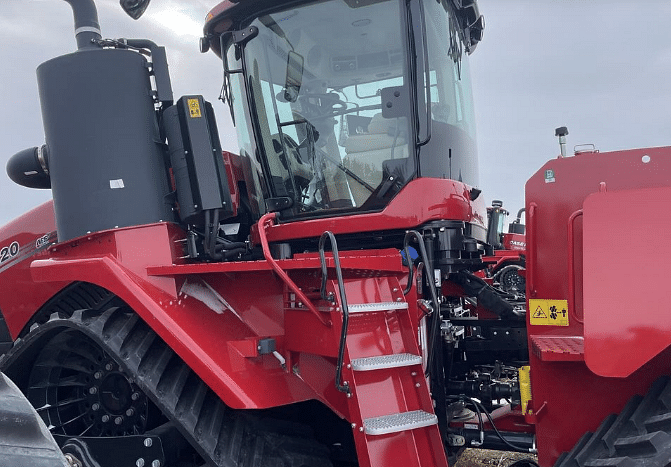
(385, 361)
(399, 422)
(381, 306)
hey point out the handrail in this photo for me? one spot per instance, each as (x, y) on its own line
(435, 319)
(265, 222)
(340, 386)
(531, 250)
(571, 269)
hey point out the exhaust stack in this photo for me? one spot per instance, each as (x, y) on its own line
(561, 132)
(87, 28)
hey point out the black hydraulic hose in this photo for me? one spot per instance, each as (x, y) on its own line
(87, 28)
(343, 302)
(140, 43)
(411, 269)
(206, 232)
(228, 245)
(228, 254)
(481, 408)
(213, 231)
(434, 297)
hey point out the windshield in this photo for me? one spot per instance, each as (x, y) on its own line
(330, 96)
(331, 105)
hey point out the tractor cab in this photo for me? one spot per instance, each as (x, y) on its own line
(340, 104)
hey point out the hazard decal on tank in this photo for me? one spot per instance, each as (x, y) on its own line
(548, 312)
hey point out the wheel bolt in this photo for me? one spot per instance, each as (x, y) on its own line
(118, 420)
(156, 463)
(105, 418)
(93, 390)
(109, 367)
(148, 442)
(98, 374)
(139, 462)
(130, 412)
(135, 396)
(95, 406)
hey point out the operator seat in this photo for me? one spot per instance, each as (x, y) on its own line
(384, 139)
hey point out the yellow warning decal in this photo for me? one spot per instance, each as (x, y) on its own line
(194, 108)
(548, 312)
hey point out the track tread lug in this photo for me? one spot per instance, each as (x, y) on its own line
(172, 381)
(134, 337)
(154, 362)
(622, 424)
(191, 401)
(567, 459)
(126, 324)
(646, 445)
(563, 457)
(649, 404)
(210, 421)
(113, 320)
(665, 396)
(136, 354)
(595, 444)
(660, 422)
(613, 462)
(231, 438)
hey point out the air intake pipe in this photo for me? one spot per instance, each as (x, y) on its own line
(30, 168)
(87, 28)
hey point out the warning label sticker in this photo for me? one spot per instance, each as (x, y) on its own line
(549, 176)
(548, 312)
(194, 108)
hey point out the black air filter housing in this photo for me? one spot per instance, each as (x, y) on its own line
(106, 161)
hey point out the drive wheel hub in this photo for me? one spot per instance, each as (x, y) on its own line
(79, 390)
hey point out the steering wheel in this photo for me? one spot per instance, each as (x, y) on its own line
(329, 105)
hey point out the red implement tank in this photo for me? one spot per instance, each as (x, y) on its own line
(594, 225)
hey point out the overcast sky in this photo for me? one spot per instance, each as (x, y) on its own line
(599, 67)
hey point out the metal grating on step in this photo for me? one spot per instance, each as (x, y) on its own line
(385, 361)
(382, 306)
(399, 422)
(559, 348)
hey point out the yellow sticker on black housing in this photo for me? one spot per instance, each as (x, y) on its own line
(548, 312)
(194, 108)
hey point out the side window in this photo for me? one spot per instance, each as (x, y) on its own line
(247, 146)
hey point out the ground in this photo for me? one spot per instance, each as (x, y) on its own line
(489, 458)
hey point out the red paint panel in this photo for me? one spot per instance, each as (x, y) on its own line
(421, 201)
(19, 297)
(626, 301)
(114, 260)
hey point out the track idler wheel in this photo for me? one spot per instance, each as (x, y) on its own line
(79, 390)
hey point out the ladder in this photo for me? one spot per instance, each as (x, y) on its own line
(380, 370)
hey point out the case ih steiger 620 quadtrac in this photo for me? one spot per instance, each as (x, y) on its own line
(176, 307)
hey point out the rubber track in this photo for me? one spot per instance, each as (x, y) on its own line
(639, 436)
(223, 437)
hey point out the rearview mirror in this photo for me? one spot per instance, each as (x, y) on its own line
(294, 80)
(134, 8)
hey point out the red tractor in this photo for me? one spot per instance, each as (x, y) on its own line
(173, 307)
(505, 264)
